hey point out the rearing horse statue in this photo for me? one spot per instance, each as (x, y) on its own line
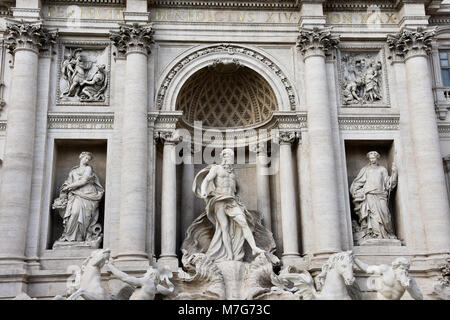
(334, 282)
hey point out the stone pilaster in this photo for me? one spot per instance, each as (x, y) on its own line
(414, 45)
(168, 255)
(133, 41)
(314, 43)
(24, 41)
(289, 212)
(263, 183)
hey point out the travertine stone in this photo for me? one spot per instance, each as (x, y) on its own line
(313, 44)
(169, 202)
(25, 40)
(134, 41)
(413, 46)
(263, 186)
(289, 213)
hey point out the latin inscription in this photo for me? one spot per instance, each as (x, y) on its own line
(214, 16)
(83, 13)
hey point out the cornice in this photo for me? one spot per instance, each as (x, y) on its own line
(263, 4)
(80, 121)
(93, 2)
(352, 122)
(358, 5)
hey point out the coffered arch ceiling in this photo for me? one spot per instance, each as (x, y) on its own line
(226, 96)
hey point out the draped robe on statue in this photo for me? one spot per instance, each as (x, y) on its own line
(370, 191)
(204, 235)
(82, 212)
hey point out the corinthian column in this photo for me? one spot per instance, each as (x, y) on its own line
(262, 183)
(134, 42)
(168, 255)
(313, 44)
(288, 203)
(25, 40)
(414, 45)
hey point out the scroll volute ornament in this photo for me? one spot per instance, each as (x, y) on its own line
(411, 41)
(25, 35)
(132, 38)
(316, 39)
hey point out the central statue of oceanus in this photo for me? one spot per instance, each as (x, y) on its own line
(223, 231)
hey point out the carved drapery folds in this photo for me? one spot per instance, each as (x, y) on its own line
(132, 38)
(316, 41)
(411, 42)
(28, 36)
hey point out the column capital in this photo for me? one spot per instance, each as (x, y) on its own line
(22, 35)
(411, 42)
(287, 137)
(316, 41)
(132, 38)
(168, 137)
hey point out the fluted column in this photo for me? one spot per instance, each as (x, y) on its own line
(25, 40)
(288, 203)
(134, 42)
(313, 44)
(263, 183)
(168, 255)
(414, 45)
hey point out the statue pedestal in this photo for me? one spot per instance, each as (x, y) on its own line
(233, 273)
(380, 242)
(94, 244)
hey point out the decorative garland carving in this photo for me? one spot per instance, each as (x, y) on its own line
(230, 50)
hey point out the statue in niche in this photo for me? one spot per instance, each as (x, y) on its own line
(78, 205)
(147, 286)
(222, 230)
(227, 252)
(370, 191)
(361, 79)
(392, 281)
(83, 83)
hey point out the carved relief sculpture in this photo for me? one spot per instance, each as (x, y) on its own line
(78, 205)
(370, 191)
(361, 79)
(391, 282)
(83, 77)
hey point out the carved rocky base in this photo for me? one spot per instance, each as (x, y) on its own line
(231, 280)
(93, 244)
(380, 242)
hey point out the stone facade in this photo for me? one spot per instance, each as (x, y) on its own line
(134, 98)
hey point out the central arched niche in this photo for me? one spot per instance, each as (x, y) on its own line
(226, 96)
